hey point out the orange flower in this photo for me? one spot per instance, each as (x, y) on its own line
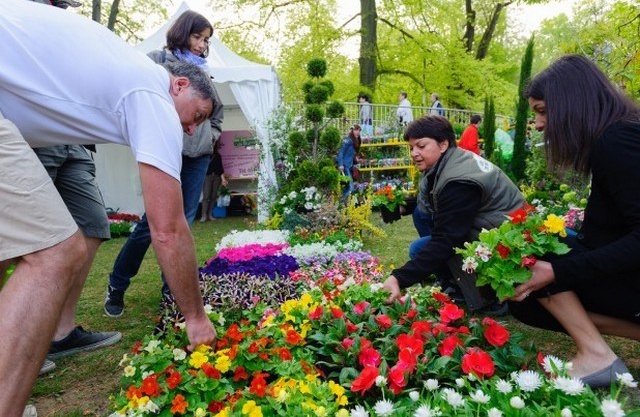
(293, 337)
(150, 386)
(174, 379)
(234, 333)
(179, 404)
(258, 385)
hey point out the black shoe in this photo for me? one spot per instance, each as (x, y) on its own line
(495, 309)
(455, 295)
(80, 340)
(114, 302)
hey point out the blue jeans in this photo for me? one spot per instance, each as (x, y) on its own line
(348, 188)
(132, 253)
(423, 222)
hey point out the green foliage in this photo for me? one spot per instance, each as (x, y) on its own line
(328, 84)
(330, 139)
(314, 113)
(317, 95)
(335, 109)
(489, 128)
(307, 86)
(518, 163)
(317, 68)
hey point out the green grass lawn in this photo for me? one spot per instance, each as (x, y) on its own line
(81, 384)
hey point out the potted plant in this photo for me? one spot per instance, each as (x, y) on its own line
(389, 199)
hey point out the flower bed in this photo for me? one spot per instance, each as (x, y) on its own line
(337, 349)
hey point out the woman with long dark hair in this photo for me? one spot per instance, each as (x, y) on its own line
(591, 127)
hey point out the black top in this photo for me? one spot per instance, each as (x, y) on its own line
(458, 204)
(611, 226)
(215, 166)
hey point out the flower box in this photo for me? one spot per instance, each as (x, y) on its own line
(219, 212)
(389, 216)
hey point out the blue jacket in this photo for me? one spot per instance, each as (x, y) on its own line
(346, 154)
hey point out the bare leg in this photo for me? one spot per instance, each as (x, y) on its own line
(68, 317)
(593, 353)
(614, 326)
(30, 305)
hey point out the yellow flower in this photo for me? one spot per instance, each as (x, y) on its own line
(268, 321)
(304, 328)
(306, 300)
(336, 389)
(304, 388)
(250, 408)
(140, 402)
(203, 348)
(321, 411)
(343, 412)
(223, 363)
(197, 359)
(555, 224)
(223, 413)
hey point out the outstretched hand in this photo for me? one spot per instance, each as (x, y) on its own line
(200, 332)
(391, 285)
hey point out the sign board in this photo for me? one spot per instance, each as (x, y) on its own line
(240, 153)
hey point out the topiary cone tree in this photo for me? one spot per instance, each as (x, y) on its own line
(489, 127)
(518, 163)
(312, 151)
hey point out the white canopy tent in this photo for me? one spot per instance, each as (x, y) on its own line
(249, 91)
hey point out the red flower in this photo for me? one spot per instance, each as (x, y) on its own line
(240, 373)
(316, 313)
(215, 406)
(210, 371)
(408, 358)
(253, 348)
(352, 328)
(293, 337)
(174, 379)
(365, 380)
(450, 312)
(360, 308)
(347, 343)
(337, 313)
(442, 297)
(384, 321)
(502, 250)
(412, 314)
(421, 329)
(137, 348)
(258, 385)
(528, 261)
(179, 404)
(478, 362)
(369, 357)
(527, 236)
(448, 345)
(397, 377)
(150, 386)
(518, 216)
(234, 333)
(496, 334)
(412, 343)
(133, 392)
(285, 354)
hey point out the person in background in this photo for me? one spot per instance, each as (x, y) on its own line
(214, 179)
(591, 127)
(366, 115)
(436, 108)
(346, 156)
(48, 102)
(73, 173)
(404, 112)
(464, 193)
(187, 41)
(470, 138)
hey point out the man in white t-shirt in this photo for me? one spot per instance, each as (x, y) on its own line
(67, 80)
(404, 112)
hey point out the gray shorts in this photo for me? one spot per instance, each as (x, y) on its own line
(33, 217)
(73, 172)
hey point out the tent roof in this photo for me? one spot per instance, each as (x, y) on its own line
(224, 64)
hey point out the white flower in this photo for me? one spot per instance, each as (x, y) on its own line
(453, 397)
(308, 206)
(381, 381)
(125, 359)
(469, 264)
(179, 354)
(359, 411)
(494, 412)
(480, 397)
(292, 195)
(626, 379)
(426, 411)
(151, 407)
(431, 384)
(516, 402)
(376, 286)
(553, 365)
(129, 371)
(146, 374)
(528, 381)
(383, 408)
(414, 395)
(503, 386)
(566, 412)
(460, 382)
(611, 408)
(570, 386)
(152, 345)
(208, 309)
(483, 252)
(283, 200)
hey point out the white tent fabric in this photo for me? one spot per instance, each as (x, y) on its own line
(253, 87)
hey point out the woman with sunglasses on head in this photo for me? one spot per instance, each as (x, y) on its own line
(591, 127)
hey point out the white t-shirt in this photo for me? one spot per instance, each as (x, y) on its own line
(404, 111)
(65, 79)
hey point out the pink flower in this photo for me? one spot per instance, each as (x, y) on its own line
(360, 308)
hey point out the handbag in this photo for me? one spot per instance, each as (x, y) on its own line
(355, 173)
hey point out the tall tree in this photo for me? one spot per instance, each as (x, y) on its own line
(518, 163)
(368, 44)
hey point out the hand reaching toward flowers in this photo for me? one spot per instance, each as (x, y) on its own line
(541, 276)
(200, 331)
(391, 285)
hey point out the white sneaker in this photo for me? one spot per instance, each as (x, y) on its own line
(30, 410)
(47, 367)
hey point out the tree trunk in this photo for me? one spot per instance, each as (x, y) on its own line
(96, 10)
(368, 44)
(483, 46)
(470, 26)
(111, 24)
